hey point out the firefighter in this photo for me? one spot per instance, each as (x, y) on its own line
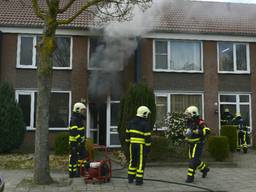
(77, 140)
(138, 135)
(227, 117)
(195, 134)
(242, 133)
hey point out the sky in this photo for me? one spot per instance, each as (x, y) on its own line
(235, 1)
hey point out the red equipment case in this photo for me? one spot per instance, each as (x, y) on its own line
(103, 172)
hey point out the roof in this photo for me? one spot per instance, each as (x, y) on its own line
(20, 13)
(208, 17)
(176, 16)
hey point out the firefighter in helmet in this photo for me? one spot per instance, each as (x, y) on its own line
(227, 117)
(138, 135)
(242, 133)
(195, 134)
(77, 140)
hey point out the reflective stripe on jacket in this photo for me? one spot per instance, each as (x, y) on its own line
(138, 131)
(76, 128)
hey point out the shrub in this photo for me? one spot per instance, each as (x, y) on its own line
(218, 147)
(175, 123)
(230, 131)
(12, 126)
(159, 148)
(163, 150)
(61, 144)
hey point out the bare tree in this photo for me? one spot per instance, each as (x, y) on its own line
(48, 11)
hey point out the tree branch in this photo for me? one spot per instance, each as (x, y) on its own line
(84, 7)
(66, 6)
(37, 9)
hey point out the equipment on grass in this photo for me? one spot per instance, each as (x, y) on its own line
(98, 171)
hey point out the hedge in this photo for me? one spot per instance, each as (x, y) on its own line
(218, 147)
(230, 131)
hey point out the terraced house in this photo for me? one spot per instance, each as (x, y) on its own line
(200, 53)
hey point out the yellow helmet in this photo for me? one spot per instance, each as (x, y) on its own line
(238, 114)
(143, 112)
(78, 107)
(192, 110)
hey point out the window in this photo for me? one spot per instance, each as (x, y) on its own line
(59, 109)
(175, 102)
(107, 55)
(26, 51)
(27, 55)
(177, 56)
(233, 57)
(236, 103)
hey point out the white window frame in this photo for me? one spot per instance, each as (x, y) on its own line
(32, 107)
(18, 64)
(234, 58)
(169, 55)
(33, 66)
(237, 104)
(168, 94)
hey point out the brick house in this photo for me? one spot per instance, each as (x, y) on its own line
(197, 53)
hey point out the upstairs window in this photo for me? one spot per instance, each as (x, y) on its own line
(28, 57)
(177, 56)
(233, 57)
(107, 54)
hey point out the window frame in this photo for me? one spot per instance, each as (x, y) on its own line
(32, 107)
(34, 54)
(169, 56)
(237, 103)
(168, 94)
(235, 71)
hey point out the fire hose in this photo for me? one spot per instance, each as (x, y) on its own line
(164, 181)
(171, 182)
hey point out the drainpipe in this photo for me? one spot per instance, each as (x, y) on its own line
(138, 60)
(1, 36)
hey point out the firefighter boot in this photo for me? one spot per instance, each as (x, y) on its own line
(139, 182)
(190, 179)
(130, 178)
(245, 149)
(205, 171)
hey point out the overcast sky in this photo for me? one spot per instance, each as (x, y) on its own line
(235, 1)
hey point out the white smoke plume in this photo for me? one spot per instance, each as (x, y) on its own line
(120, 42)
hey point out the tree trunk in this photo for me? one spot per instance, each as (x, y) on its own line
(46, 48)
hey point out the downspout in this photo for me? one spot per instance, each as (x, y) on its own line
(138, 61)
(1, 36)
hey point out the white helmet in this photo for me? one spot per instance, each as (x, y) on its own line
(192, 110)
(143, 111)
(78, 107)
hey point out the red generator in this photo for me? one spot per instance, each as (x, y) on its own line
(98, 171)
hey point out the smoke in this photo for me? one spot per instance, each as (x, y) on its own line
(119, 42)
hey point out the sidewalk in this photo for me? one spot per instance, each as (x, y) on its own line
(240, 178)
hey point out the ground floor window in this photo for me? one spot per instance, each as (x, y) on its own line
(236, 103)
(175, 102)
(59, 108)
